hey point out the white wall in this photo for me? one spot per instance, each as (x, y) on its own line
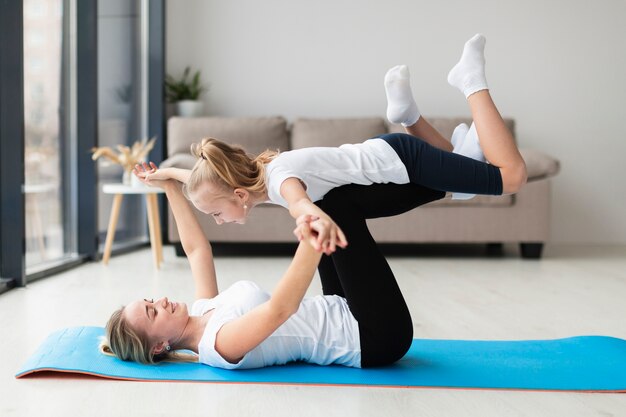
(558, 67)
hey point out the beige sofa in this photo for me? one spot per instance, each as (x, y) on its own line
(523, 218)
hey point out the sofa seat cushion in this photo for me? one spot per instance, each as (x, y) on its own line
(478, 201)
(254, 134)
(306, 133)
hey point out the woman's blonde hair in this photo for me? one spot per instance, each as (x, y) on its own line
(127, 344)
(228, 166)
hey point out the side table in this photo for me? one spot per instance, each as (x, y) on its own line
(154, 225)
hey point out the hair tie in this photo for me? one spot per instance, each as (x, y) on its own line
(203, 156)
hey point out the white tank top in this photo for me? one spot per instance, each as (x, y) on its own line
(323, 331)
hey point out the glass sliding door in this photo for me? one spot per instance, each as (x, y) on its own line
(121, 109)
(48, 133)
(72, 71)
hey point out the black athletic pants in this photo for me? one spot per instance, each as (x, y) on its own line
(361, 274)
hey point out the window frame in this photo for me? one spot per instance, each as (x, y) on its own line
(80, 178)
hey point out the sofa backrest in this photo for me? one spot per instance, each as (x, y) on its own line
(254, 134)
(257, 134)
(334, 132)
(446, 125)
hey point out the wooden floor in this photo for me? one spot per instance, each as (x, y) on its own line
(574, 290)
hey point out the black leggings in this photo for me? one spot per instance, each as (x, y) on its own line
(441, 170)
(361, 274)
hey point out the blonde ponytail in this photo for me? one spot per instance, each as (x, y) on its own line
(228, 166)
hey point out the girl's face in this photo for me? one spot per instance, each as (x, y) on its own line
(222, 207)
(162, 320)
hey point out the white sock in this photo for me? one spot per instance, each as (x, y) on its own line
(469, 146)
(468, 75)
(401, 107)
(458, 136)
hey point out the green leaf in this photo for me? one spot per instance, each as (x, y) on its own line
(183, 88)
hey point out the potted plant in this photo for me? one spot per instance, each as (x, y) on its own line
(185, 93)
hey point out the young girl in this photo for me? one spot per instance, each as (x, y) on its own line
(226, 183)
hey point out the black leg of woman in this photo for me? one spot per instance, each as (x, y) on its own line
(368, 284)
(331, 285)
(376, 200)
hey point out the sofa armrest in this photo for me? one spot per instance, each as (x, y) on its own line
(539, 165)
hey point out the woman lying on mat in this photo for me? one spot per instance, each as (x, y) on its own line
(227, 183)
(361, 320)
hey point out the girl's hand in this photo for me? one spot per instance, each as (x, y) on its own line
(151, 175)
(322, 233)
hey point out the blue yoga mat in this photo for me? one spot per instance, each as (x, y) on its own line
(584, 363)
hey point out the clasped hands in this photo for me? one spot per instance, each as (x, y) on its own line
(322, 234)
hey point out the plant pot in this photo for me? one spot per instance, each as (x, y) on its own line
(189, 108)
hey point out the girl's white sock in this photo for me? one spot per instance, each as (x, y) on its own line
(401, 107)
(466, 143)
(468, 75)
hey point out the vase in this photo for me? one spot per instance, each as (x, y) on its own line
(127, 178)
(189, 108)
(131, 179)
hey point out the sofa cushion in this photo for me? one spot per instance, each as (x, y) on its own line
(254, 134)
(446, 125)
(478, 201)
(306, 133)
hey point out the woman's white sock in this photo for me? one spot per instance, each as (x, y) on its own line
(458, 136)
(466, 143)
(401, 106)
(468, 75)
(471, 145)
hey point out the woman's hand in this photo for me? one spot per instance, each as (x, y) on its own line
(329, 235)
(321, 232)
(303, 229)
(151, 175)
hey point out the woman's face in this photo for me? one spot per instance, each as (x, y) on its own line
(162, 320)
(222, 207)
